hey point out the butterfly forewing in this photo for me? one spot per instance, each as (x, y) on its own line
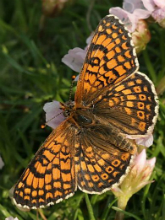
(110, 58)
(50, 177)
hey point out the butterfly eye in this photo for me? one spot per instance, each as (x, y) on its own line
(66, 113)
(82, 120)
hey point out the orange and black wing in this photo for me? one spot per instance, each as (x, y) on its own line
(111, 57)
(50, 177)
(131, 106)
(102, 159)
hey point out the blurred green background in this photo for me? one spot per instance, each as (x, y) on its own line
(31, 74)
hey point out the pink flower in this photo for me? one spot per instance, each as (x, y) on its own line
(159, 3)
(149, 5)
(135, 10)
(159, 16)
(1, 163)
(11, 218)
(141, 36)
(138, 177)
(75, 58)
(130, 5)
(146, 141)
(127, 18)
(54, 115)
(157, 10)
(130, 14)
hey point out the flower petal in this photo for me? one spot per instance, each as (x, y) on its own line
(146, 141)
(75, 58)
(140, 161)
(159, 3)
(127, 18)
(141, 14)
(149, 5)
(152, 162)
(77, 78)
(130, 5)
(54, 115)
(159, 16)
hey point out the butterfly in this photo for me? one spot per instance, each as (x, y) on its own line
(89, 150)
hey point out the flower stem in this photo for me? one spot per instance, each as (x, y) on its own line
(119, 216)
(161, 86)
(149, 65)
(122, 203)
(89, 206)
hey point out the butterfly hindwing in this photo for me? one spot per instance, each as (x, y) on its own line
(131, 106)
(101, 161)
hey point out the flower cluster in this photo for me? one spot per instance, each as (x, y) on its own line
(134, 15)
(135, 10)
(137, 178)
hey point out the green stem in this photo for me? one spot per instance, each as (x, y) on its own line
(89, 206)
(121, 203)
(119, 216)
(161, 86)
(149, 65)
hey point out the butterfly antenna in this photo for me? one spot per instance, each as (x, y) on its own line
(71, 88)
(44, 125)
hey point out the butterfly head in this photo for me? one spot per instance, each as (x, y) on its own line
(67, 108)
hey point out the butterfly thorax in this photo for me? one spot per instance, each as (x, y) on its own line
(79, 117)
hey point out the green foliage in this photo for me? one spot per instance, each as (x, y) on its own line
(31, 74)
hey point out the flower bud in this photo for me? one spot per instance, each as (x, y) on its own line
(141, 36)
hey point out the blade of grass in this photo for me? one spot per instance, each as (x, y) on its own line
(89, 206)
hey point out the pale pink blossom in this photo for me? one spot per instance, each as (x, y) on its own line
(54, 115)
(1, 163)
(146, 141)
(134, 10)
(11, 218)
(127, 18)
(159, 3)
(138, 177)
(75, 58)
(130, 18)
(130, 5)
(157, 10)
(149, 5)
(141, 36)
(159, 16)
